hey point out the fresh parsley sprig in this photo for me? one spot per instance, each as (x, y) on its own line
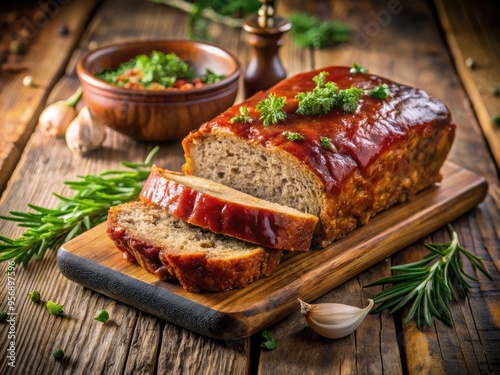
(325, 96)
(430, 283)
(49, 228)
(380, 92)
(271, 109)
(320, 100)
(242, 117)
(355, 69)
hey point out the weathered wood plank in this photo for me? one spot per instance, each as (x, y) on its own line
(45, 59)
(472, 29)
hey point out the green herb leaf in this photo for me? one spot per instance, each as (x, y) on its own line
(35, 296)
(348, 99)
(327, 144)
(430, 283)
(270, 343)
(310, 32)
(210, 77)
(320, 100)
(102, 316)
(3, 316)
(293, 136)
(271, 109)
(58, 354)
(54, 308)
(380, 92)
(358, 69)
(242, 117)
(325, 96)
(88, 207)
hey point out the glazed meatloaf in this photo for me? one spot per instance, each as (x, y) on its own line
(175, 250)
(345, 166)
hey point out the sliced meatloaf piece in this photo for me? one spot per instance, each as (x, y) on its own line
(199, 259)
(228, 211)
(383, 153)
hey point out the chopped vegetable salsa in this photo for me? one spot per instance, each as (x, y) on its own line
(159, 71)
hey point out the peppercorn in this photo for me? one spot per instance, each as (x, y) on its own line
(63, 30)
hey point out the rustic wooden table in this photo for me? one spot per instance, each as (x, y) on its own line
(420, 43)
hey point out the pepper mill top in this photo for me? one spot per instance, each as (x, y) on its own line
(266, 31)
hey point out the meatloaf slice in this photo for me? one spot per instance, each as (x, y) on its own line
(383, 153)
(199, 259)
(228, 211)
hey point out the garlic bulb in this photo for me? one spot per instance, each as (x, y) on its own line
(85, 133)
(55, 118)
(334, 320)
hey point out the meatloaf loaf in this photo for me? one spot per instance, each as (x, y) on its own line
(175, 250)
(384, 152)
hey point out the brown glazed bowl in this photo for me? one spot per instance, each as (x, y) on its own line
(160, 115)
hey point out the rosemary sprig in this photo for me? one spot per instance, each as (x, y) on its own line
(50, 228)
(431, 283)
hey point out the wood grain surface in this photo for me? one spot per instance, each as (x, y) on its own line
(409, 45)
(473, 35)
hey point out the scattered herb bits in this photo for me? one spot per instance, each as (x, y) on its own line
(3, 316)
(380, 92)
(58, 354)
(35, 296)
(327, 144)
(269, 343)
(293, 136)
(271, 109)
(358, 69)
(102, 316)
(495, 91)
(55, 308)
(242, 117)
(349, 98)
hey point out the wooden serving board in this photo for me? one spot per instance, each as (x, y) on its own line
(93, 261)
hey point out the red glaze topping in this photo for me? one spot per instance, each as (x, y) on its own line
(257, 225)
(358, 137)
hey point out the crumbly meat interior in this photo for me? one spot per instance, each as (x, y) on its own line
(152, 225)
(271, 175)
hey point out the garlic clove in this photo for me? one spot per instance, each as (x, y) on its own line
(85, 133)
(334, 320)
(55, 119)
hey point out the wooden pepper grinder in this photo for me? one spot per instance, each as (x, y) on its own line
(266, 30)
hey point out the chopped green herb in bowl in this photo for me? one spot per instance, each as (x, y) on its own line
(158, 71)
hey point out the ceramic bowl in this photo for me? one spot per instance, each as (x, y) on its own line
(158, 115)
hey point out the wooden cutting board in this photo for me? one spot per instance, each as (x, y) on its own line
(93, 261)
